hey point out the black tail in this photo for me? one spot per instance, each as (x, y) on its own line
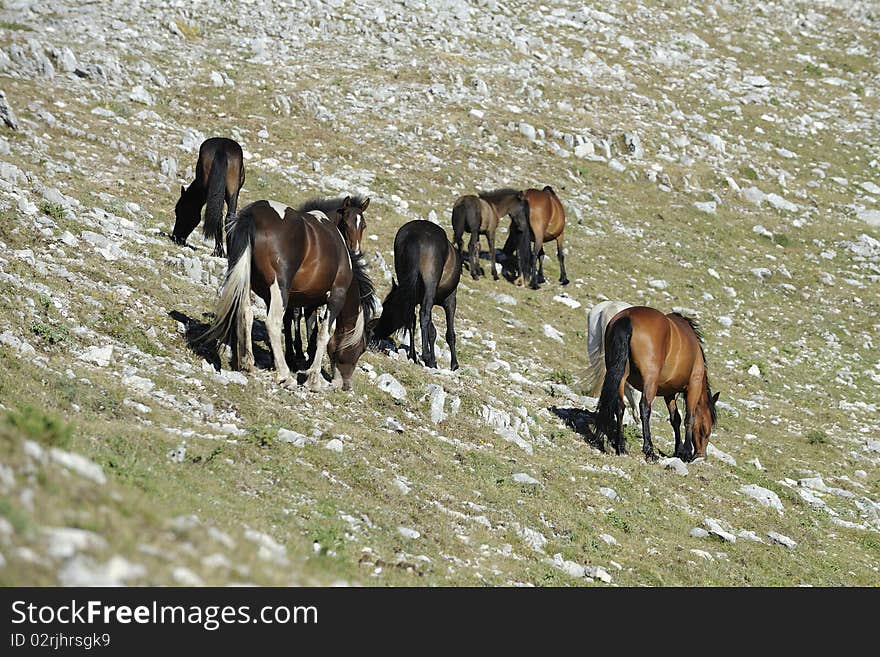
(616, 357)
(216, 196)
(399, 306)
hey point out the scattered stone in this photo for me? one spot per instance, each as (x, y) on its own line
(570, 568)
(64, 542)
(6, 113)
(598, 572)
(523, 478)
(268, 549)
(436, 396)
(100, 356)
(608, 538)
(714, 452)
(553, 334)
(141, 95)
(782, 539)
(699, 532)
(294, 438)
(676, 465)
(754, 370)
(406, 532)
(79, 464)
(715, 529)
(610, 493)
(334, 445)
(764, 497)
(392, 386)
(394, 425)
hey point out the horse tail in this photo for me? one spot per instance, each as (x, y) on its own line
(400, 304)
(367, 304)
(236, 289)
(459, 219)
(216, 195)
(616, 358)
(595, 352)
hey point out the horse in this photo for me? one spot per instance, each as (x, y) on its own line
(219, 178)
(542, 219)
(352, 225)
(479, 215)
(290, 258)
(428, 269)
(659, 355)
(597, 320)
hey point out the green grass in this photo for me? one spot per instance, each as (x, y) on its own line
(36, 424)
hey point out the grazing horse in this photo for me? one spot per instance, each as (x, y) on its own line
(659, 355)
(219, 178)
(288, 258)
(543, 217)
(428, 269)
(597, 320)
(348, 212)
(479, 215)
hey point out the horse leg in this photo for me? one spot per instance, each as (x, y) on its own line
(687, 449)
(560, 255)
(326, 326)
(274, 326)
(541, 278)
(491, 237)
(619, 441)
(474, 254)
(645, 411)
(675, 421)
(246, 362)
(412, 338)
(290, 315)
(536, 255)
(426, 323)
(449, 308)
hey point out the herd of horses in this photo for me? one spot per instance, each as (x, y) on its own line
(305, 262)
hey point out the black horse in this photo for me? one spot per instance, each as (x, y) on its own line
(219, 178)
(428, 269)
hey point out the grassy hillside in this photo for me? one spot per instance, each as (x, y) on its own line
(715, 159)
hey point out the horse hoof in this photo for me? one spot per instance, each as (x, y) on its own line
(534, 286)
(564, 281)
(453, 367)
(651, 457)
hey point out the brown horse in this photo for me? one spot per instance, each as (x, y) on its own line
(289, 258)
(479, 215)
(219, 177)
(349, 215)
(428, 270)
(544, 218)
(662, 355)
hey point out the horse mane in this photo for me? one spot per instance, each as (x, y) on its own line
(329, 206)
(699, 333)
(365, 286)
(497, 194)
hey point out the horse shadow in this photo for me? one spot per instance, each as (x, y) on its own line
(195, 328)
(582, 422)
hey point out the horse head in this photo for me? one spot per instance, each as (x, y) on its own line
(704, 420)
(351, 222)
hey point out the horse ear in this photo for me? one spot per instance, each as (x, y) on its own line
(182, 190)
(520, 196)
(715, 398)
(365, 204)
(346, 203)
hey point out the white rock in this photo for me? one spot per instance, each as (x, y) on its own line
(703, 554)
(523, 478)
(64, 542)
(616, 165)
(585, 150)
(406, 532)
(780, 203)
(83, 571)
(185, 577)
(568, 567)
(216, 79)
(699, 532)
(141, 95)
(294, 438)
(870, 217)
(709, 207)
(436, 395)
(567, 300)
(532, 538)
(528, 131)
(725, 321)
(392, 386)
(754, 370)
(138, 383)
(598, 572)
(334, 445)
(268, 549)
(676, 465)
(610, 493)
(79, 464)
(782, 539)
(756, 80)
(100, 356)
(394, 425)
(748, 535)
(553, 334)
(608, 538)
(716, 529)
(714, 452)
(658, 284)
(764, 497)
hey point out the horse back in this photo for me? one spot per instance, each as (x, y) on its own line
(546, 213)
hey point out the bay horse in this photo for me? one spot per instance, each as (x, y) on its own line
(219, 178)
(597, 320)
(348, 212)
(290, 258)
(659, 355)
(479, 215)
(428, 269)
(542, 219)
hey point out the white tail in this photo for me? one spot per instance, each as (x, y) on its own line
(230, 313)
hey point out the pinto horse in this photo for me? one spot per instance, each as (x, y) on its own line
(428, 269)
(658, 355)
(540, 219)
(290, 258)
(348, 212)
(479, 215)
(219, 178)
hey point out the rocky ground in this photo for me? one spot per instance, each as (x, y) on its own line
(717, 158)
